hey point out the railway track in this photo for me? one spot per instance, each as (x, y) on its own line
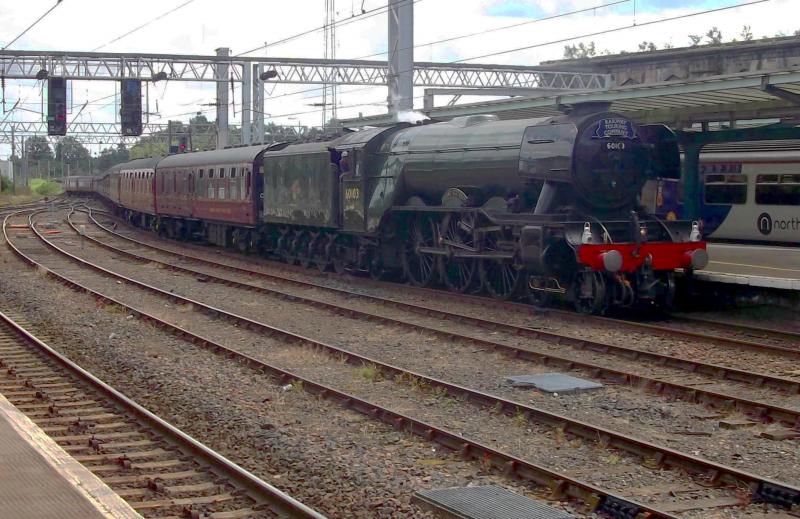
(761, 409)
(4, 210)
(747, 331)
(783, 342)
(156, 468)
(709, 472)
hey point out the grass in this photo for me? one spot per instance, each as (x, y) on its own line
(39, 188)
(520, 418)
(370, 372)
(43, 187)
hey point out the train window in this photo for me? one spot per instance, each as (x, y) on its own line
(778, 189)
(728, 188)
(221, 193)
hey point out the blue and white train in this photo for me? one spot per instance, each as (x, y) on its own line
(747, 193)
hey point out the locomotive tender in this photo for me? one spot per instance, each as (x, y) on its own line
(547, 207)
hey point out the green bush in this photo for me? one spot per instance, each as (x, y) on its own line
(5, 184)
(44, 187)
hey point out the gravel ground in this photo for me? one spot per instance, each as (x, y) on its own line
(602, 331)
(624, 475)
(680, 425)
(780, 366)
(335, 460)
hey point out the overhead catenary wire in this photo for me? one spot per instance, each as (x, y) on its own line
(518, 49)
(336, 23)
(145, 24)
(633, 25)
(502, 28)
(463, 36)
(566, 39)
(58, 2)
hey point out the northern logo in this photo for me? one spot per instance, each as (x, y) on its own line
(764, 223)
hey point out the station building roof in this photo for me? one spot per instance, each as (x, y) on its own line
(681, 103)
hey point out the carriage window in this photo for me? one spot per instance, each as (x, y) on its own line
(778, 189)
(221, 193)
(728, 188)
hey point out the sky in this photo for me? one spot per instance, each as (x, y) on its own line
(200, 26)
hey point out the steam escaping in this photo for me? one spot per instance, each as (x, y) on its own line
(410, 116)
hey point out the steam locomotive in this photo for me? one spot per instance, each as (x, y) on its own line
(539, 208)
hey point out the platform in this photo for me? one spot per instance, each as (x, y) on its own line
(39, 480)
(766, 266)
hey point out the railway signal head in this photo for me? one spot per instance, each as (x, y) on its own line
(56, 106)
(131, 107)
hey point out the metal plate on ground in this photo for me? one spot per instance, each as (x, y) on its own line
(486, 502)
(553, 382)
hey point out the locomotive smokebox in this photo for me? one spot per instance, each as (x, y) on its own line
(604, 159)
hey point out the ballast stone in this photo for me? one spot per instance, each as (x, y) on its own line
(486, 502)
(553, 382)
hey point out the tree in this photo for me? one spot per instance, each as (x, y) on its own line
(70, 151)
(714, 36)
(746, 34)
(110, 156)
(695, 39)
(580, 51)
(37, 148)
(647, 46)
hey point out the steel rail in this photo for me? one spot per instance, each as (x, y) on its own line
(664, 456)
(28, 205)
(760, 409)
(561, 485)
(663, 331)
(740, 327)
(259, 490)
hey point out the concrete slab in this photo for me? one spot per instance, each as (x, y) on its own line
(486, 502)
(765, 266)
(39, 480)
(553, 382)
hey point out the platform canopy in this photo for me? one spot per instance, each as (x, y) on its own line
(729, 98)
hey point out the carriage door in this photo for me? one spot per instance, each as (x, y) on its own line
(352, 195)
(190, 193)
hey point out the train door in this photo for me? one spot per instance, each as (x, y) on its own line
(190, 197)
(351, 193)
